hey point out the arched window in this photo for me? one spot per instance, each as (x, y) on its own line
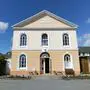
(23, 40)
(22, 61)
(65, 39)
(67, 61)
(44, 40)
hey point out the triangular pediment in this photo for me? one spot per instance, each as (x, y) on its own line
(45, 19)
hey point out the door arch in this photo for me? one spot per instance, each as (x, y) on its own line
(45, 63)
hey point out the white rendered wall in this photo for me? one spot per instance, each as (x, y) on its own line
(55, 39)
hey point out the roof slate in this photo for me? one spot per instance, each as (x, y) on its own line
(84, 49)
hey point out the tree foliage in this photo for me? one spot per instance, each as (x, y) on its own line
(2, 58)
(3, 61)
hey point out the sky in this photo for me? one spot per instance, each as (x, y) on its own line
(13, 11)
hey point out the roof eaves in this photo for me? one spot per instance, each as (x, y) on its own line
(49, 13)
(27, 19)
(62, 19)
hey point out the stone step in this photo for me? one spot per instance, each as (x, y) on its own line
(46, 77)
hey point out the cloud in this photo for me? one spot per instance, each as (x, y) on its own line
(3, 26)
(88, 20)
(87, 43)
(84, 40)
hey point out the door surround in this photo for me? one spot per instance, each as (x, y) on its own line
(45, 63)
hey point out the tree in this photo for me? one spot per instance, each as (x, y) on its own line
(2, 64)
(2, 57)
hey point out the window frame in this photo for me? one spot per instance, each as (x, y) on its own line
(23, 43)
(66, 42)
(44, 40)
(68, 65)
(25, 62)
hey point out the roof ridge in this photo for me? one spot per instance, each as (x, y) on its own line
(48, 13)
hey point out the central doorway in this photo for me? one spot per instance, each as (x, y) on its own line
(44, 63)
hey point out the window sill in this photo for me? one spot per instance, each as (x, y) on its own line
(44, 45)
(23, 46)
(24, 68)
(66, 46)
(68, 67)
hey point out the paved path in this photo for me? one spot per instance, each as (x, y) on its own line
(49, 84)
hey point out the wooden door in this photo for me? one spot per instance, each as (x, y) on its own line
(84, 67)
(47, 65)
(41, 66)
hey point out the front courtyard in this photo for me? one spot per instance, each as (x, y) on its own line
(45, 84)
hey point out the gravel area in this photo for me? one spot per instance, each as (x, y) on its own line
(45, 84)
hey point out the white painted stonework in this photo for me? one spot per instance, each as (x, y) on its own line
(47, 22)
(53, 27)
(55, 40)
(50, 24)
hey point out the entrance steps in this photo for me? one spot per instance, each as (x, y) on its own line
(47, 77)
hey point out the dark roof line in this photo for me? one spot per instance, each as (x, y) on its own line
(84, 49)
(42, 13)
